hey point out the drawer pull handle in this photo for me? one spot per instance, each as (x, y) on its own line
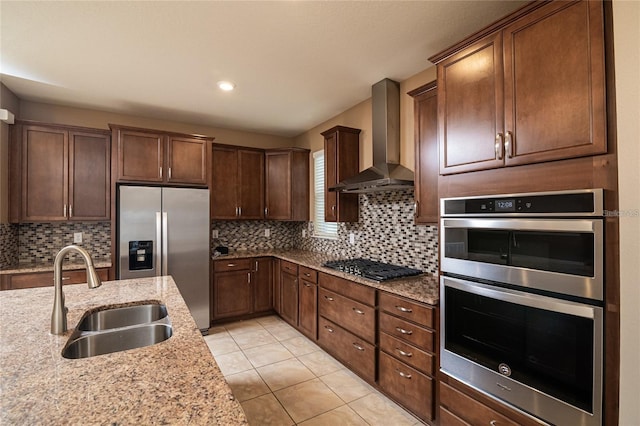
(231, 265)
(330, 299)
(403, 331)
(403, 353)
(358, 311)
(306, 274)
(307, 285)
(403, 309)
(493, 423)
(358, 347)
(66, 278)
(405, 375)
(329, 329)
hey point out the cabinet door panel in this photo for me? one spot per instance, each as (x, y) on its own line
(224, 183)
(555, 83)
(308, 308)
(470, 107)
(44, 174)
(90, 171)
(278, 185)
(232, 294)
(251, 184)
(331, 178)
(140, 156)
(262, 286)
(187, 161)
(289, 298)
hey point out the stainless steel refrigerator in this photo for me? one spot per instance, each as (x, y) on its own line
(165, 231)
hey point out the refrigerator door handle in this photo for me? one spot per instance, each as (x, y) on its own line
(158, 243)
(165, 244)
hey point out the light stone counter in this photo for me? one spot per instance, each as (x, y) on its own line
(173, 382)
(424, 288)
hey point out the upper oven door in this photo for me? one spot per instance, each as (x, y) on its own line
(562, 256)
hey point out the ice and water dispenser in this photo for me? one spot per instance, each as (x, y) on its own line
(140, 255)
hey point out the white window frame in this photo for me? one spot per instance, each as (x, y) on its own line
(321, 229)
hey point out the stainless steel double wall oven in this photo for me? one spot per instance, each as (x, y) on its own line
(522, 292)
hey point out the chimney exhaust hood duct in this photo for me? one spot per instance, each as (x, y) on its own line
(386, 174)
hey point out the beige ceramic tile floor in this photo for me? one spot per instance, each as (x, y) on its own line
(282, 378)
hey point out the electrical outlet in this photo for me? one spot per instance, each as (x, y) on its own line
(214, 233)
(352, 238)
(267, 232)
(304, 233)
(77, 237)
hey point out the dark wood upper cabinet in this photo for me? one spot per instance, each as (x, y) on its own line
(531, 92)
(425, 108)
(237, 183)
(287, 184)
(341, 160)
(160, 157)
(59, 173)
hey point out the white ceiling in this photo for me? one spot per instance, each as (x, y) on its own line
(295, 63)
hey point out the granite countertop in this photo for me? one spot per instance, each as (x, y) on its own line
(23, 268)
(425, 288)
(173, 382)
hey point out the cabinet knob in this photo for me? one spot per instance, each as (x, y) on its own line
(330, 299)
(307, 284)
(266, 211)
(405, 375)
(358, 347)
(403, 309)
(358, 311)
(329, 329)
(498, 146)
(493, 423)
(403, 331)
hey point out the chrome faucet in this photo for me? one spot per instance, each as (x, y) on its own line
(59, 314)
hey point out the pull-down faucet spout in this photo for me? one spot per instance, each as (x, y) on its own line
(59, 314)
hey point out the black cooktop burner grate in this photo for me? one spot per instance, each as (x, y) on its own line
(372, 270)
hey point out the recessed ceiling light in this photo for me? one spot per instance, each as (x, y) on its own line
(227, 86)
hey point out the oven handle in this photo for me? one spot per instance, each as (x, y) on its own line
(564, 225)
(522, 298)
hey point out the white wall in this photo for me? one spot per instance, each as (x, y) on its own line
(626, 27)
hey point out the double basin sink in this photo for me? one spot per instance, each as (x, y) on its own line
(118, 328)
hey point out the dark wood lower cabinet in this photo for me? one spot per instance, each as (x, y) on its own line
(232, 294)
(262, 287)
(408, 386)
(289, 298)
(358, 354)
(308, 308)
(45, 279)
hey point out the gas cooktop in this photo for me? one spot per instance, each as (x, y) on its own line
(376, 271)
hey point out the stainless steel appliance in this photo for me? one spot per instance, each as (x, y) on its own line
(165, 231)
(522, 300)
(372, 270)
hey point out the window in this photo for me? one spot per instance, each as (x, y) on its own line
(320, 227)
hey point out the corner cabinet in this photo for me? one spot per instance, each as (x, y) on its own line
(341, 161)
(153, 156)
(425, 110)
(287, 184)
(59, 173)
(534, 91)
(237, 184)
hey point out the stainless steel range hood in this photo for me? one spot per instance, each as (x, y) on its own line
(386, 174)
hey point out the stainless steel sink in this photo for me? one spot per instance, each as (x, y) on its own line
(124, 316)
(84, 345)
(119, 328)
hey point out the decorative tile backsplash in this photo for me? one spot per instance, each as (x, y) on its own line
(250, 235)
(40, 242)
(386, 232)
(8, 244)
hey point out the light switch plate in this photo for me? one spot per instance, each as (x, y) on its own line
(352, 238)
(267, 232)
(304, 233)
(77, 237)
(214, 233)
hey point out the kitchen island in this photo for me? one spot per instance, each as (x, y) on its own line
(173, 382)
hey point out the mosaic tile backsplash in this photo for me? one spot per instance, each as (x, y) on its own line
(249, 235)
(8, 244)
(386, 232)
(40, 242)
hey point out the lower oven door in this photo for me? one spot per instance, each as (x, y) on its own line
(539, 354)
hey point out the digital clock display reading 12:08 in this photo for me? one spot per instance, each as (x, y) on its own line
(505, 205)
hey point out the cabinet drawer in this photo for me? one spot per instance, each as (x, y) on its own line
(468, 409)
(45, 279)
(408, 386)
(404, 330)
(351, 315)
(447, 418)
(359, 292)
(359, 355)
(407, 353)
(407, 309)
(232, 265)
(289, 267)
(308, 274)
